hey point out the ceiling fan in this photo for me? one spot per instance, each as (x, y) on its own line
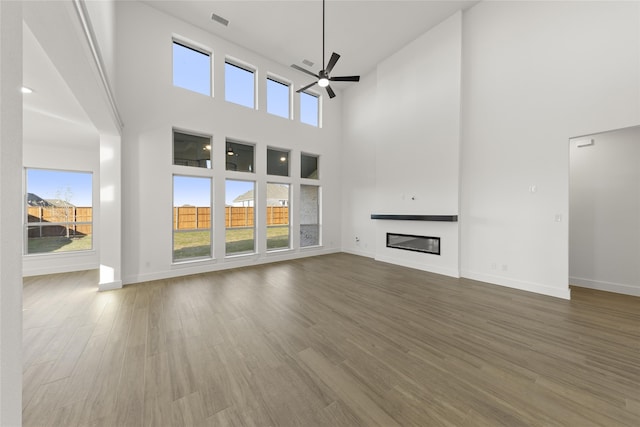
(323, 77)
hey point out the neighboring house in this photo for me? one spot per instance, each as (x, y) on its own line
(35, 200)
(277, 195)
(58, 203)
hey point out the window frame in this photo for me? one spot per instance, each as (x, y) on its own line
(289, 86)
(289, 242)
(175, 130)
(255, 218)
(196, 47)
(248, 68)
(252, 169)
(318, 115)
(319, 216)
(27, 224)
(174, 223)
(317, 157)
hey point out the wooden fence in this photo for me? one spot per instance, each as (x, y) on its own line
(54, 220)
(184, 218)
(193, 218)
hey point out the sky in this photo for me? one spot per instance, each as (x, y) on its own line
(192, 70)
(74, 187)
(196, 191)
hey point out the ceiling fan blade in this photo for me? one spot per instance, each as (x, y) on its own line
(332, 62)
(330, 91)
(302, 89)
(345, 79)
(304, 71)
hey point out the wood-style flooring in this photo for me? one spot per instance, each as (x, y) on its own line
(337, 340)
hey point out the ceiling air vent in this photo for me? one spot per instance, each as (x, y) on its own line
(219, 19)
(307, 63)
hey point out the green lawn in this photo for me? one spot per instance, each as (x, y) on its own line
(195, 244)
(41, 245)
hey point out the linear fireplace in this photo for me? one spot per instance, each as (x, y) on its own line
(426, 244)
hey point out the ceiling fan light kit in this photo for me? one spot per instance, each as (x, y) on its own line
(323, 77)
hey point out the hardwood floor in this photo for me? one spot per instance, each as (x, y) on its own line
(337, 340)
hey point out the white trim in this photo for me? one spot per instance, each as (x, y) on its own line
(618, 288)
(419, 266)
(564, 293)
(87, 28)
(109, 286)
(233, 262)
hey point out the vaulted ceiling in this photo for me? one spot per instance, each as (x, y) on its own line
(364, 32)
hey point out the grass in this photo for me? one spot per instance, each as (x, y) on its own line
(197, 244)
(42, 245)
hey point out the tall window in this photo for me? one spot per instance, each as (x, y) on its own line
(191, 68)
(240, 217)
(239, 84)
(191, 150)
(308, 166)
(277, 162)
(309, 215)
(191, 217)
(278, 98)
(309, 108)
(59, 211)
(278, 228)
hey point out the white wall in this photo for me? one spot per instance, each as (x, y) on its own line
(536, 74)
(151, 106)
(401, 142)
(10, 214)
(604, 229)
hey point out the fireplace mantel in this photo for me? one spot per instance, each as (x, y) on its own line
(401, 217)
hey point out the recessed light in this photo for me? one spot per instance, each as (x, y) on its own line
(25, 89)
(219, 19)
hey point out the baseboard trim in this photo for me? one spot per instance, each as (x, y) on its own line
(618, 288)
(227, 264)
(418, 266)
(519, 284)
(109, 286)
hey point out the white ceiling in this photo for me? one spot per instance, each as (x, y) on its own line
(363, 32)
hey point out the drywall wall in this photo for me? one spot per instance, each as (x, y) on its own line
(401, 136)
(10, 214)
(534, 75)
(152, 106)
(604, 209)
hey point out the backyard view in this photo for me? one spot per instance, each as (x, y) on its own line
(59, 212)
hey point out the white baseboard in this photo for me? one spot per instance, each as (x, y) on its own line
(109, 286)
(618, 288)
(359, 252)
(564, 293)
(420, 266)
(186, 269)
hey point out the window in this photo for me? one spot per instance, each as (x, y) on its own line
(191, 68)
(309, 111)
(191, 217)
(277, 216)
(191, 150)
(239, 85)
(278, 98)
(277, 162)
(59, 211)
(239, 217)
(308, 166)
(239, 157)
(309, 215)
